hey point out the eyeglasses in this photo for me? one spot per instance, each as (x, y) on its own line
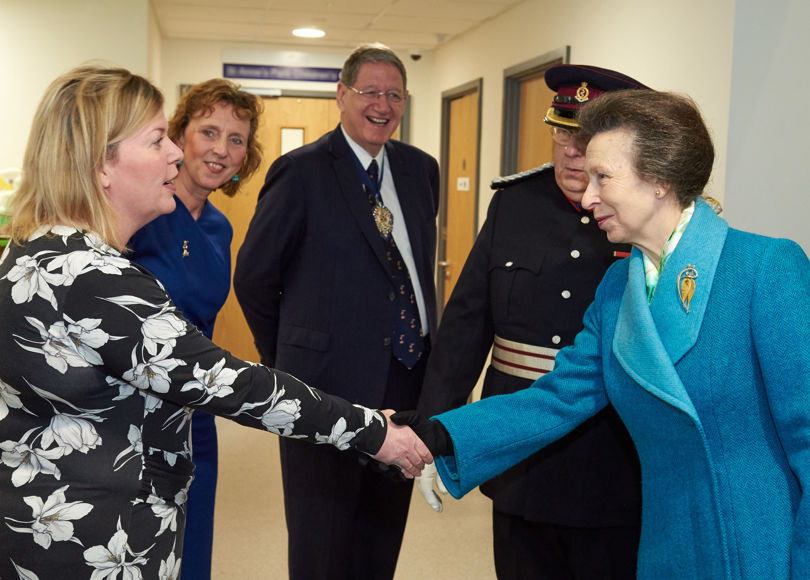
(394, 97)
(563, 137)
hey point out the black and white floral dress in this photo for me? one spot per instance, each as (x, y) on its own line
(98, 373)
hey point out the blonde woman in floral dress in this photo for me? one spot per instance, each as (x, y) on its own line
(99, 372)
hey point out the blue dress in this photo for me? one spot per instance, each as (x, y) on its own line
(198, 283)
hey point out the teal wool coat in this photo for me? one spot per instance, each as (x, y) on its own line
(716, 399)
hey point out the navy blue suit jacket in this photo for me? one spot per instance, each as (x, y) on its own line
(311, 274)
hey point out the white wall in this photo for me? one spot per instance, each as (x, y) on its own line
(42, 39)
(662, 44)
(768, 148)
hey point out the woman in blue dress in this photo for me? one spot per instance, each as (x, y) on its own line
(188, 250)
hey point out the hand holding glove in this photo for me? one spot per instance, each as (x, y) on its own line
(425, 485)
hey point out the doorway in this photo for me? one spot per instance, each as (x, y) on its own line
(287, 122)
(526, 138)
(461, 138)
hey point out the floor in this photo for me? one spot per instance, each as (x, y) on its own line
(250, 540)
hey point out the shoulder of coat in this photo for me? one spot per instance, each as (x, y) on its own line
(506, 181)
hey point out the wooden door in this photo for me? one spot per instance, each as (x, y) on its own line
(460, 174)
(534, 137)
(289, 120)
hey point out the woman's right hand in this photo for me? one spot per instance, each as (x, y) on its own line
(403, 449)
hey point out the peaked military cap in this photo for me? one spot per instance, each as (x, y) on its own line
(576, 84)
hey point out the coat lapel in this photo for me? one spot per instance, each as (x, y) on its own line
(700, 247)
(650, 339)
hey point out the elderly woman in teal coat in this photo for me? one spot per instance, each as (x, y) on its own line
(700, 340)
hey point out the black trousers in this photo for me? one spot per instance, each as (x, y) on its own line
(531, 550)
(345, 521)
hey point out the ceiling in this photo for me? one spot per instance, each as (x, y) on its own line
(412, 26)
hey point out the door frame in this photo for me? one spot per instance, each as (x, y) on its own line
(512, 79)
(449, 95)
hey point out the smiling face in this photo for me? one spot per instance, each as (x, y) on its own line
(569, 169)
(628, 208)
(368, 120)
(139, 182)
(214, 146)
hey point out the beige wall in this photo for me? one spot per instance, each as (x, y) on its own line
(41, 39)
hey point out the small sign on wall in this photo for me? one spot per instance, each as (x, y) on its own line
(280, 73)
(463, 184)
(291, 138)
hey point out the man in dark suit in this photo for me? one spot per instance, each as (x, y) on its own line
(335, 278)
(573, 510)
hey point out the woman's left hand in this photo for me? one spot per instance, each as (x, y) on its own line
(403, 449)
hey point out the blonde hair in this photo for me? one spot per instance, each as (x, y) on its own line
(202, 98)
(78, 125)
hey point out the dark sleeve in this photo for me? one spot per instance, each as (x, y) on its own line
(462, 343)
(143, 342)
(276, 230)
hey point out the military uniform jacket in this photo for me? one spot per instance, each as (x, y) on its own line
(529, 278)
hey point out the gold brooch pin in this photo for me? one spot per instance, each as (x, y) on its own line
(686, 285)
(185, 248)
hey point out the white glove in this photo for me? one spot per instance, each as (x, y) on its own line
(424, 483)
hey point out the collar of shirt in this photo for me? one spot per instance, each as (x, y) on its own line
(362, 154)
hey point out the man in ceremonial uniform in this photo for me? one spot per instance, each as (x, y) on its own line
(573, 509)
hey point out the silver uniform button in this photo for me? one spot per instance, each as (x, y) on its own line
(556, 339)
(509, 264)
(585, 219)
(575, 253)
(566, 294)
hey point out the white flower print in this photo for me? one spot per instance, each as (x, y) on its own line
(9, 398)
(165, 512)
(24, 574)
(181, 416)
(52, 519)
(214, 382)
(30, 280)
(160, 328)
(135, 438)
(76, 263)
(70, 345)
(110, 560)
(170, 568)
(71, 432)
(339, 437)
(152, 374)
(28, 462)
(370, 415)
(281, 417)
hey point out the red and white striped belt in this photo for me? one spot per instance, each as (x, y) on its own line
(522, 360)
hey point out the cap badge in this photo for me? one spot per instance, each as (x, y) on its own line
(582, 93)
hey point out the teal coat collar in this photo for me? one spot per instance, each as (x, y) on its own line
(650, 339)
